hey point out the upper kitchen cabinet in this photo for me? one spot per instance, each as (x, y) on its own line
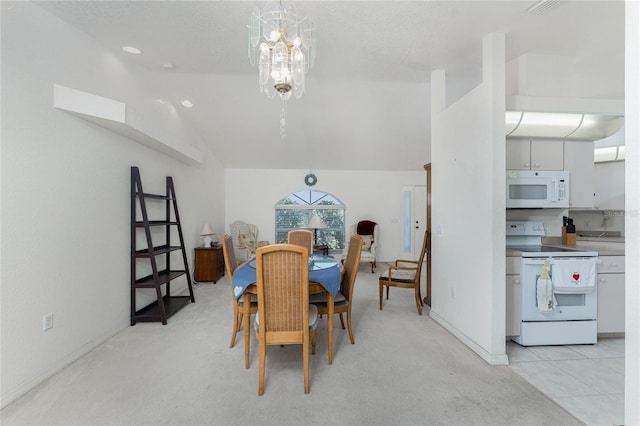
(609, 185)
(578, 160)
(536, 154)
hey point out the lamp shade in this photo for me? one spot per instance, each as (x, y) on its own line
(316, 223)
(207, 230)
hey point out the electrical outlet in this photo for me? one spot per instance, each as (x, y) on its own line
(47, 322)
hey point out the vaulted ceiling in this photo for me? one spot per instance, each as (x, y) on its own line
(366, 105)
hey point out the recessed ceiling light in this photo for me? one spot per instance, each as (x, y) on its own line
(187, 103)
(132, 50)
(542, 6)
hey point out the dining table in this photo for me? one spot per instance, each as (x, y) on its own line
(325, 274)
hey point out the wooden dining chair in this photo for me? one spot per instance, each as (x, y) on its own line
(231, 264)
(343, 300)
(406, 274)
(285, 316)
(301, 237)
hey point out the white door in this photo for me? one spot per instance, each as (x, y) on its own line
(419, 218)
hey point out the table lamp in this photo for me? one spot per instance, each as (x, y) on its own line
(207, 231)
(316, 223)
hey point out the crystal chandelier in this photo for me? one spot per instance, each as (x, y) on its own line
(282, 45)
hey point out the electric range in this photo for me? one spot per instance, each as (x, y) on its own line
(549, 315)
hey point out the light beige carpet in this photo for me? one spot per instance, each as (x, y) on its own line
(404, 369)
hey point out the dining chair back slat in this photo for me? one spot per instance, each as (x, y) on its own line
(301, 237)
(282, 278)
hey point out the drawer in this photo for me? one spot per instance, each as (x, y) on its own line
(513, 265)
(610, 264)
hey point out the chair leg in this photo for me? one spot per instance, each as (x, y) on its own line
(353, 341)
(313, 342)
(418, 300)
(240, 318)
(341, 321)
(263, 355)
(388, 292)
(305, 361)
(381, 291)
(373, 265)
(237, 320)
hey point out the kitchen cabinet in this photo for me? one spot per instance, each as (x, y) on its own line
(609, 185)
(611, 294)
(513, 302)
(535, 154)
(578, 161)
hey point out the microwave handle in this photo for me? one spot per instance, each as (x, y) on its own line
(555, 188)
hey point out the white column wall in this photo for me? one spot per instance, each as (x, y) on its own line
(468, 163)
(251, 195)
(66, 194)
(632, 205)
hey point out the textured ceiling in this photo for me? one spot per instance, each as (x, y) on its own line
(390, 45)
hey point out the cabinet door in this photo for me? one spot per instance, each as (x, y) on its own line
(547, 155)
(518, 154)
(610, 303)
(204, 264)
(578, 161)
(609, 185)
(514, 310)
(611, 264)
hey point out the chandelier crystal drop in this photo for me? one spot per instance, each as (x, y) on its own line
(282, 46)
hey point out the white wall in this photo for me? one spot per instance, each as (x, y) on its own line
(543, 75)
(65, 195)
(632, 205)
(468, 163)
(251, 195)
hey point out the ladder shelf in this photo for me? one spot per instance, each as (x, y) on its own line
(161, 275)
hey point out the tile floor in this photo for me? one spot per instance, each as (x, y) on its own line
(587, 380)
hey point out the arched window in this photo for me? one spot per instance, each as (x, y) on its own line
(295, 210)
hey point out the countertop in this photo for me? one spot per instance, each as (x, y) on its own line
(604, 248)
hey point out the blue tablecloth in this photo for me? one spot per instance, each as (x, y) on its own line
(329, 278)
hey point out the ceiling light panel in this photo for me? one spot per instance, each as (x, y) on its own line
(542, 6)
(132, 50)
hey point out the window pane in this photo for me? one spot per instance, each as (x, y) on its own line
(295, 210)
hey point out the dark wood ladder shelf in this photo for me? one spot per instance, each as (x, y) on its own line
(165, 304)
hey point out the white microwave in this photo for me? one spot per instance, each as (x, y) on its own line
(537, 189)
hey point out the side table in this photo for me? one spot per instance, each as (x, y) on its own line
(208, 264)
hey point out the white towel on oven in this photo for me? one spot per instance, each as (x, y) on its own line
(574, 275)
(544, 290)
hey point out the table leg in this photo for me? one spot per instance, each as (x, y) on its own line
(330, 308)
(247, 325)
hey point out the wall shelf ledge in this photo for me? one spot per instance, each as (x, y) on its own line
(116, 116)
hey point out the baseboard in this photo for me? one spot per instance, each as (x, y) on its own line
(492, 359)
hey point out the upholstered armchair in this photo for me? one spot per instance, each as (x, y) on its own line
(244, 237)
(368, 231)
